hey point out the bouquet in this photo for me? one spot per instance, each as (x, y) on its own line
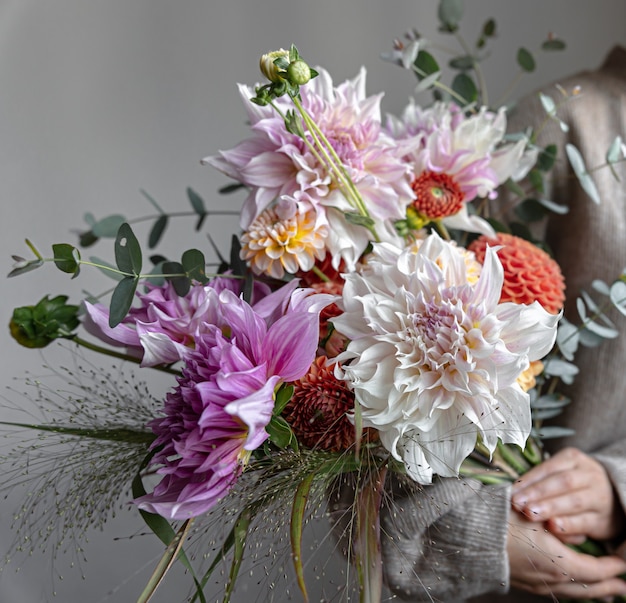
(379, 319)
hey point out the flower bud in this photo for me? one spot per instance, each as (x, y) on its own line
(298, 72)
(268, 67)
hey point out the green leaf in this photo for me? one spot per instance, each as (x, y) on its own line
(535, 177)
(465, 87)
(450, 14)
(546, 433)
(296, 526)
(566, 371)
(359, 219)
(567, 338)
(580, 169)
(152, 201)
(530, 210)
(617, 296)
(283, 395)
(122, 300)
(463, 63)
(554, 207)
(550, 401)
(22, 267)
(547, 157)
(157, 230)
(525, 60)
(194, 264)
(197, 203)
(65, 258)
(425, 64)
(240, 533)
(165, 563)
(614, 153)
(107, 227)
(489, 28)
(548, 104)
(230, 188)
(281, 434)
(428, 82)
(127, 251)
(181, 282)
(553, 44)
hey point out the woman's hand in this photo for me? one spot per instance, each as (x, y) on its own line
(570, 492)
(541, 564)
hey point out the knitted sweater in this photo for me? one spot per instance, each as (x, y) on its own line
(448, 542)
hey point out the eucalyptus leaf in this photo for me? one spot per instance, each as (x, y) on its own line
(550, 401)
(122, 300)
(614, 153)
(526, 60)
(580, 169)
(175, 273)
(157, 230)
(127, 251)
(617, 296)
(567, 338)
(22, 268)
(548, 104)
(530, 210)
(428, 82)
(553, 44)
(554, 207)
(547, 157)
(589, 339)
(463, 63)
(230, 188)
(65, 259)
(549, 432)
(601, 330)
(566, 371)
(197, 203)
(107, 227)
(542, 415)
(450, 14)
(465, 87)
(194, 265)
(601, 287)
(425, 64)
(152, 201)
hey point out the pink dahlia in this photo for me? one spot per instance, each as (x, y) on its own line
(218, 412)
(456, 158)
(164, 325)
(274, 162)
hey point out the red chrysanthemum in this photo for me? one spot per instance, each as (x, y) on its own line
(530, 274)
(318, 409)
(437, 195)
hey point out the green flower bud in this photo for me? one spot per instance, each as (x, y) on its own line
(298, 72)
(269, 68)
(37, 326)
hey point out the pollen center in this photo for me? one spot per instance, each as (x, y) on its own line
(437, 195)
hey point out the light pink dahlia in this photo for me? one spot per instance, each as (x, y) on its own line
(274, 162)
(433, 357)
(457, 158)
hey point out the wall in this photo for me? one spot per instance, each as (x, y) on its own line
(100, 99)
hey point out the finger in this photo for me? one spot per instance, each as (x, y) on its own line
(612, 587)
(572, 526)
(587, 569)
(564, 503)
(565, 460)
(556, 484)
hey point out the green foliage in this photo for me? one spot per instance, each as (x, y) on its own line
(526, 60)
(425, 64)
(580, 169)
(464, 86)
(122, 299)
(450, 13)
(37, 326)
(66, 258)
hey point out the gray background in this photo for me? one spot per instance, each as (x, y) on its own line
(99, 99)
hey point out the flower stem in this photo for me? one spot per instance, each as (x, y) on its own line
(121, 356)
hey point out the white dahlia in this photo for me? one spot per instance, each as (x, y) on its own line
(433, 357)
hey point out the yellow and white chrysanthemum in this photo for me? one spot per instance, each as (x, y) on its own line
(286, 237)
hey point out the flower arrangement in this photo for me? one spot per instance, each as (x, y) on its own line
(380, 317)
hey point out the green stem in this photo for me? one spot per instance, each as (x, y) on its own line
(121, 356)
(482, 84)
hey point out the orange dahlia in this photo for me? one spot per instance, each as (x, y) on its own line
(530, 274)
(318, 410)
(437, 195)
